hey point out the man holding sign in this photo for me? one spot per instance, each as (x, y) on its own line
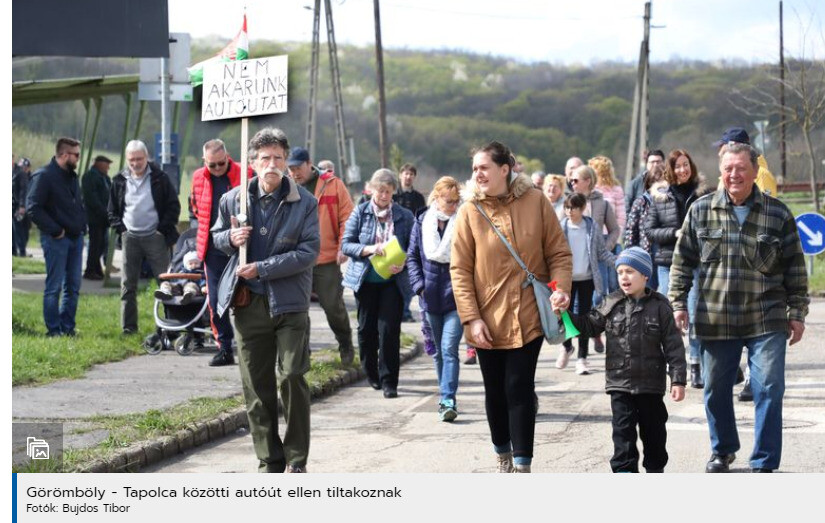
(269, 298)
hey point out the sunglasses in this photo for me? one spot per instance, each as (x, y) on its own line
(212, 165)
(574, 180)
(450, 202)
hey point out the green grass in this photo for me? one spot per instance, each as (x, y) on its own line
(39, 148)
(123, 430)
(27, 266)
(126, 430)
(40, 466)
(37, 359)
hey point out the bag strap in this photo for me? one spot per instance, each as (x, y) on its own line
(530, 275)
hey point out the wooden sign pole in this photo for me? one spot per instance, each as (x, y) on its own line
(244, 184)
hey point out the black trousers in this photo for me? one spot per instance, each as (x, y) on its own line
(582, 291)
(649, 413)
(21, 236)
(97, 249)
(380, 307)
(214, 266)
(509, 386)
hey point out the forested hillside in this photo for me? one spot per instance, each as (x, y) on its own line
(441, 104)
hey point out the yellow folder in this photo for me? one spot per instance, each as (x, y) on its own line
(393, 255)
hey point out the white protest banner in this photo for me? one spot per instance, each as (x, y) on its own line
(244, 88)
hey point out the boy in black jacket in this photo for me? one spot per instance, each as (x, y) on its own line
(642, 342)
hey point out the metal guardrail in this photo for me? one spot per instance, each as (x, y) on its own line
(798, 187)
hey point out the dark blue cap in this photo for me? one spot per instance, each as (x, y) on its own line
(734, 134)
(297, 156)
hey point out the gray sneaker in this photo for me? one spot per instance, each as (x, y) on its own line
(521, 469)
(296, 469)
(505, 462)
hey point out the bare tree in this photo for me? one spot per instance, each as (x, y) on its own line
(804, 107)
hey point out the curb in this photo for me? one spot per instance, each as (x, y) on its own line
(227, 424)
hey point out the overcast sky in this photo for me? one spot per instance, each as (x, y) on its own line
(564, 31)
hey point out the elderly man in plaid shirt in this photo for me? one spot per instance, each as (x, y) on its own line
(753, 293)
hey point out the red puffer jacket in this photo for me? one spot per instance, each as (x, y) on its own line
(200, 200)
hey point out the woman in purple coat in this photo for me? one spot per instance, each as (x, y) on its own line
(428, 263)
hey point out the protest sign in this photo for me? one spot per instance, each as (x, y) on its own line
(244, 88)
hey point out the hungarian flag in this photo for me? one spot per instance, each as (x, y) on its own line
(237, 49)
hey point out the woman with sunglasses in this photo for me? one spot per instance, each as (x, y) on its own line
(583, 180)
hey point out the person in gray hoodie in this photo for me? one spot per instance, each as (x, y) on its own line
(587, 246)
(583, 181)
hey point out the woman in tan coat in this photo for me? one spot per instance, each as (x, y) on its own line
(498, 311)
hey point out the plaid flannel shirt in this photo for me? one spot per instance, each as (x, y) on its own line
(752, 278)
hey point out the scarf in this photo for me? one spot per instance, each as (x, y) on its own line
(385, 215)
(437, 247)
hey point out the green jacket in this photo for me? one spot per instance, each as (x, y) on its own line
(96, 187)
(752, 279)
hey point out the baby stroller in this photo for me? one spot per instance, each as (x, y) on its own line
(179, 325)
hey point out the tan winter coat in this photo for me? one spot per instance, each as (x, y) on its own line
(487, 281)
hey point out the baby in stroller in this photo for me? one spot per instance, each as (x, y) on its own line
(181, 308)
(187, 288)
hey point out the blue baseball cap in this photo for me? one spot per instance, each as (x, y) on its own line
(297, 156)
(733, 134)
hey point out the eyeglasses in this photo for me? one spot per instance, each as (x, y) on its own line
(212, 165)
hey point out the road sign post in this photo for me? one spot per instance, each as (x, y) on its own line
(811, 227)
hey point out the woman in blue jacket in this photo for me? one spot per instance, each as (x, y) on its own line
(428, 262)
(380, 301)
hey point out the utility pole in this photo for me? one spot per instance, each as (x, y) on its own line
(639, 124)
(781, 93)
(340, 134)
(644, 128)
(382, 102)
(313, 80)
(335, 74)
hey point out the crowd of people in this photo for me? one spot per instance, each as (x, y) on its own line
(642, 265)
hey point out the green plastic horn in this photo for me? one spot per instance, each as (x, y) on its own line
(570, 330)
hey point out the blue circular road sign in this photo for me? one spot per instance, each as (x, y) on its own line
(811, 227)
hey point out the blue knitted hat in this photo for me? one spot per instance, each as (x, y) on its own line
(637, 258)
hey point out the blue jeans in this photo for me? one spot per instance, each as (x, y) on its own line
(610, 280)
(766, 360)
(447, 333)
(663, 274)
(64, 260)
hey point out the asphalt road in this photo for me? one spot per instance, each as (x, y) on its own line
(357, 430)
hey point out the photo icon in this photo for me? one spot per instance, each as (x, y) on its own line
(37, 448)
